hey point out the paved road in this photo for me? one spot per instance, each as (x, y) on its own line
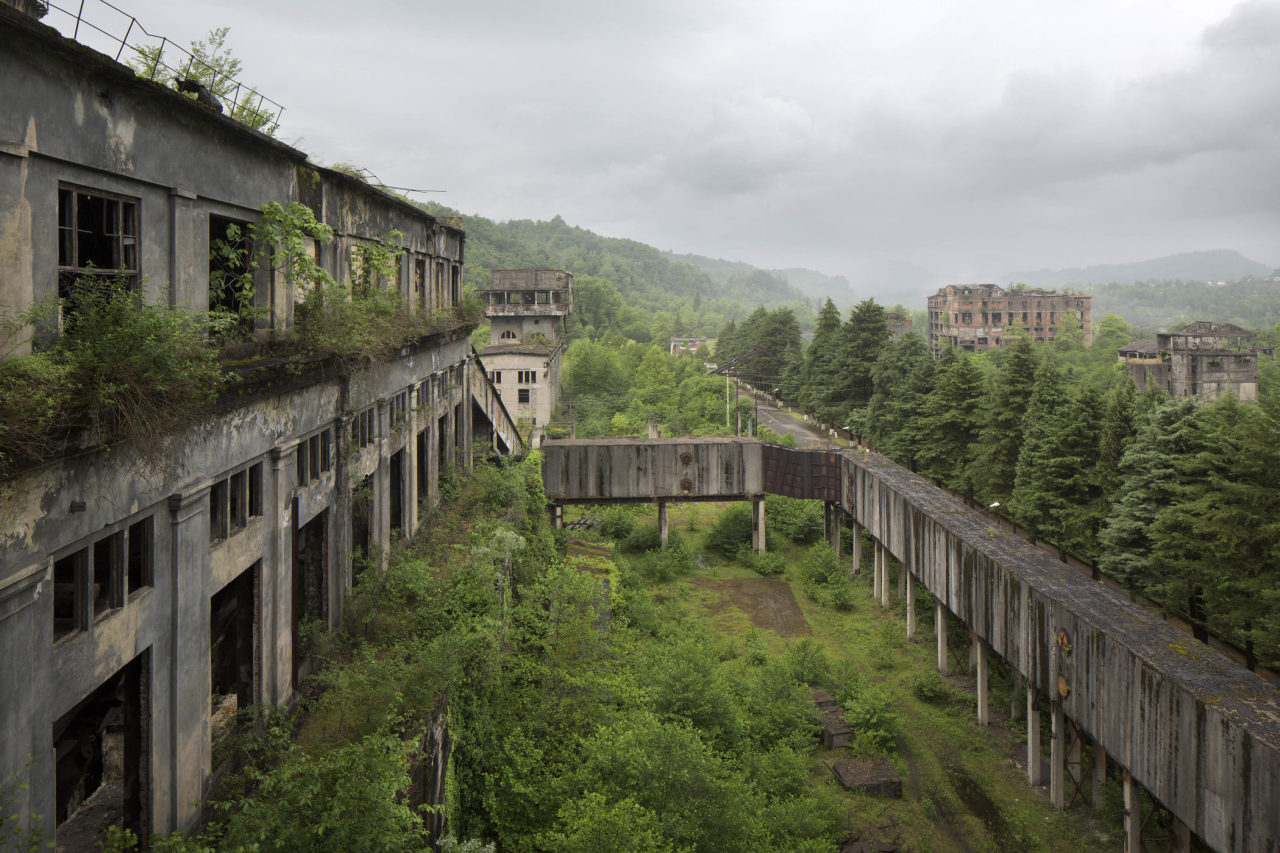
(785, 424)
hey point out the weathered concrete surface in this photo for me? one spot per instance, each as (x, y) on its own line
(874, 776)
(629, 469)
(1200, 732)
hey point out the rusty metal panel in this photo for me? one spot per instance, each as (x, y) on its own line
(809, 474)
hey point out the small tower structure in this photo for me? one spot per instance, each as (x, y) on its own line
(527, 311)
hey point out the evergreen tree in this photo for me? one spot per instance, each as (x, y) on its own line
(1001, 436)
(950, 422)
(862, 339)
(1034, 500)
(821, 358)
(901, 380)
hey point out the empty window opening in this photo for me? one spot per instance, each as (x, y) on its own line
(69, 610)
(420, 281)
(141, 559)
(442, 441)
(231, 652)
(300, 458)
(218, 511)
(455, 285)
(422, 466)
(310, 587)
(361, 526)
(497, 377)
(101, 752)
(527, 377)
(508, 335)
(325, 442)
(522, 396)
(313, 457)
(230, 276)
(255, 489)
(108, 583)
(239, 500)
(97, 240)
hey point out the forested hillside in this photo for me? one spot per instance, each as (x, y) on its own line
(1215, 265)
(620, 285)
(1250, 303)
(812, 284)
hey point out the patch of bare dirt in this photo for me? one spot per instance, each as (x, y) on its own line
(768, 603)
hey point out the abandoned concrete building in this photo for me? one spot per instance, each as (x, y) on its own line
(527, 311)
(1202, 359)
(144, 600)
(977, 317)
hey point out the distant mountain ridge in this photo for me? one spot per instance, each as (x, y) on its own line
(1212, 265)
(811, 283)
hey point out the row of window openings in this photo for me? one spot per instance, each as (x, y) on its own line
(526, 297)
(101, 577)
(233, 501)
(313, 457)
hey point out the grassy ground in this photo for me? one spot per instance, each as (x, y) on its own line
(962, 790)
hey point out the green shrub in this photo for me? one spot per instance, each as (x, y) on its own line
(660, 565)
(869, 711)
(807, 663)
(647, 537)
(731, 531)
(824, 577)
(928, 686)
(768, 564)
(799, 520)
(757, 651)
(616, 522)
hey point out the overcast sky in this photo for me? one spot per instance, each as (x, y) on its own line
(966, 138)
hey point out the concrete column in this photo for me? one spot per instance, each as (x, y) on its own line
(857, 548)
(275, 583)
(884, 574)
(835, 529)
(557, 517)
(381, 521)
(984, 709)
(1015, 696)
(1035, 772)
(1099, 773)
(875, 570)
(189, 752)
(662, 523)
(940, 628)
(1132, 815)
(1057, 757)
(911, 609)
(757, 525)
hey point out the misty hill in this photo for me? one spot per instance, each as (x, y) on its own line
(814, 285)
(1215, 265)
(661, 295)
(1250, 303)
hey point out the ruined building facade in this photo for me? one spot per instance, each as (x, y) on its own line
(977, 317)
(146, 597)
(1202, 359)
(527, 311)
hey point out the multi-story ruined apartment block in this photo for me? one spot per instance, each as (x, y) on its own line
(1201, 359)
(978, 316)
(146, 596)
(527, 311)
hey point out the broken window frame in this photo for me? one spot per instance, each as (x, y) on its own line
(119, 238)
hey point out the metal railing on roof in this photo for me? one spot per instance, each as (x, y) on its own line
(95, 24)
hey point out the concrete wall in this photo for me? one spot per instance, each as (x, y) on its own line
(631, 469)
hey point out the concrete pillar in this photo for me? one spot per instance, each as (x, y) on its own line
(557, 516)
(984, 708)
(875, 570)
(1015, 696)
(1132, 815)
(1057, 757)
(835, 529)
(1035, 772)
(381, 522)
(911, 609)
(1099, 773)
(190, 755)
(940, 628)
(757, 524)
(857, 548)
(662, 523)
(973, 652)
(884, 575)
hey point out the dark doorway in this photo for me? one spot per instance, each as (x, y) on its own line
(443, 433)
(232, 643)
(101, 749)
(423, 490)
(361, 526)
(396, 506)
(310, 588)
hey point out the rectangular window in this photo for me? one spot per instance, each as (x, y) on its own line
(255, 490)
(238, 498)
(141, 557)
(527, 377)
(218, 511)
(97, 239)
(497, 377)
(302, 469)
(68, 594)
(522, 395)
(324, 451)
(313, 456)
(108, 583)
(230, 276)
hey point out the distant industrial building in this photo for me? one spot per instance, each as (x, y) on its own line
(527, 311)
(977, 317)
(682, 345)
(1202, 359)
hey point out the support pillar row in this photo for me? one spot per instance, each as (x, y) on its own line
(940, 628)
(984, 707)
